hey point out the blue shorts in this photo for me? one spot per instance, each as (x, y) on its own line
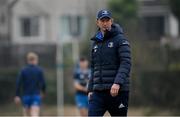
(31, 100)
(81, 101)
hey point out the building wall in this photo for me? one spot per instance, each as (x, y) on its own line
(50, 13)
(52, 26)
(3, 22)
(4, 37)
(158, 10)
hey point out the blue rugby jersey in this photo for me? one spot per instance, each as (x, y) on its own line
(82, 78)
(30, 81)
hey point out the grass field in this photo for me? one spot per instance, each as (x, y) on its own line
(71, 110)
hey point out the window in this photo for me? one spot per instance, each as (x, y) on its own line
(154, 26)
(29, 26)
(2, 18)
(75, 25)
(72, 25)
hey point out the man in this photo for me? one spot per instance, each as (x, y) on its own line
(81, 77)
(110, 64)
(31, 84)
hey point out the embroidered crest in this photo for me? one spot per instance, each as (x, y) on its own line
(110, 44)
(105, 12)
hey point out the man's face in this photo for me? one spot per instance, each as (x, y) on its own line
(33, 62)
(83, 64)
(104, 24)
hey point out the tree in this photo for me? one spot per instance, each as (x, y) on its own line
(123, 10)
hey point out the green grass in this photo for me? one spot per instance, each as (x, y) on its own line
(71, 110)
(16, 110)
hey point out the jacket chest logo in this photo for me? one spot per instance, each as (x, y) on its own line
(110, 44)
(95, 48)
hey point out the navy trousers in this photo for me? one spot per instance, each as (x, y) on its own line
(102, 101)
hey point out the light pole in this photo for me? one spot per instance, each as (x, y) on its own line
(60, 79)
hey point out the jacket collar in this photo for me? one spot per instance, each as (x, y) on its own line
(115, 30)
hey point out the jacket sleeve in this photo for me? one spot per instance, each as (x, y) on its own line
(76, 75)
(19, 83)
(124, 55)
(90, 83)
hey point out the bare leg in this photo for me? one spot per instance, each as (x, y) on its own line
(35, 111)
(26, 112)
(83, 112)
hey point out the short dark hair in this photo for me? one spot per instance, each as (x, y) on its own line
(82, 59)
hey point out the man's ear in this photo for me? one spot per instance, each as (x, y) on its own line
(97, 22)
(112, 20)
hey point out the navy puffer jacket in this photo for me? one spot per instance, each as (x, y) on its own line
(110, 61)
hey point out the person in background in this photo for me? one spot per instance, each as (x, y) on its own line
(30, 86)
(81, 77)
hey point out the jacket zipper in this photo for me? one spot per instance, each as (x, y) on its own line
(101, 62)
